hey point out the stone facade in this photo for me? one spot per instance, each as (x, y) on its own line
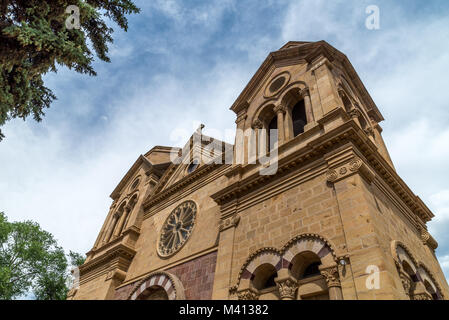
(332, 221)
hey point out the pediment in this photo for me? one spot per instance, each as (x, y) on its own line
(296, 52)
(200, 149)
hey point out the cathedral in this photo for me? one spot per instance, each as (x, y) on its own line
(306, 205)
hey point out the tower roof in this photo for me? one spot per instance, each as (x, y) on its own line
(294, 51)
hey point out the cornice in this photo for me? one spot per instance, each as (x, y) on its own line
(119, 251)
(349, 132)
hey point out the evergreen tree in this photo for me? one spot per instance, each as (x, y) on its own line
(38, 35)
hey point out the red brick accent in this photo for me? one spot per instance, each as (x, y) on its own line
(197, 277)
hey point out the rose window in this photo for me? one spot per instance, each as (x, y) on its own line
(177, 228)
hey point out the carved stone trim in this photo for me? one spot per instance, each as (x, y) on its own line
(355, 165)
(287, 288)
(230, 222)
(305, 92)
(406, 282)
(331, 275)
(280, 108)
(257, 124)
(241, 118)
(248, 294)
(428, 240)
(355, 113)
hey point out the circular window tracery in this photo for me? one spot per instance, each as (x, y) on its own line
(135, 184)
(193, 166)
(177, 229)
(277, 84)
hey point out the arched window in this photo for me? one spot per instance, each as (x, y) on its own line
(273, 125)
(299, 118)
(153, 293)
(263, 277)
(312, 270)
(305, 268)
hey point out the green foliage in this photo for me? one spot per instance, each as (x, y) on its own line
(31, 259)
(76, 259)
(34, 39)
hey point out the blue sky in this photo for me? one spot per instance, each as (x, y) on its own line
(184, 62)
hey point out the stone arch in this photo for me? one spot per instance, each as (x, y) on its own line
(292, 91)
(309, 242)
(264, 114)
(264, 256)
(426, 276)
(160, 280)
(407, 267)
(131, 204)
(285, 95)
(401, 253)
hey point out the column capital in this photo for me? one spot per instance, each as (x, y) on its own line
(248, 294)
(287, 287)
(355, 113)
(241, 117)
(280, 108)
(305, 92)
(257, 124)
(229, 222)
(331, 275)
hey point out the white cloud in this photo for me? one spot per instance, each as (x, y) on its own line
(63, 182)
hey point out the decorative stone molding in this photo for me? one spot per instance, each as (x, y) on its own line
(428, 240)
(406, 282)
(282, 258)
(241, 118)
(248, 294)
(280, 108)
(230, 222)
(355, 165)
(305, 92)
(369, 131)
(257, 124)
(169, 282)
(422, 296)
(355, 113)
(172, 237)
(116, 274)
(331, 275)
(287, 288)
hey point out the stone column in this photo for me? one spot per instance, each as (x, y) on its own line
(406, 282)
(257, 126)
(308, 105)
(287, 285)
(332, 277)
(101, 237)
(239, 153)
(222, 277)
(280, 111)
(122, 221)
(288, 121)
(111, 228)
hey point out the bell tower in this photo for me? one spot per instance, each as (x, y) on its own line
(335, 189)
